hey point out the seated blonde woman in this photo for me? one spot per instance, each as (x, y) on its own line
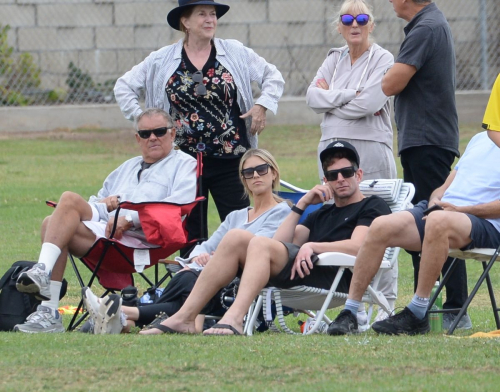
(260, 176)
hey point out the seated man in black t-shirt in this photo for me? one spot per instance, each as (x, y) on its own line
(286, 260)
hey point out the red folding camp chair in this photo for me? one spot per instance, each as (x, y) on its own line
(113, 263)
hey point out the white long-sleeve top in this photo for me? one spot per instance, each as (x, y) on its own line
(151, 76)
(264, 225)
(172, 179)
(345, 114)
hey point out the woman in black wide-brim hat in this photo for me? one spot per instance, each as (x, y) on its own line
(205, 84)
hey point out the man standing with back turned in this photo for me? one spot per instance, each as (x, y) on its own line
(423, 82)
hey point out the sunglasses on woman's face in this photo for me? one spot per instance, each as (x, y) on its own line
(261, 171)
(200, 88)
(333, 175)
(158, 132)
(348, 19)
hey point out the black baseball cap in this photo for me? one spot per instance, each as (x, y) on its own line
(340, 145)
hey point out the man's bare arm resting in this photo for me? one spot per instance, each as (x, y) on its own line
(396, 78)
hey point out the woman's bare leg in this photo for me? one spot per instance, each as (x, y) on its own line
(265, 258)
(219, 272)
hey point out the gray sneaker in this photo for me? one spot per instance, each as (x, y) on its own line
(35, 281)
(464, 323)
(44, 319)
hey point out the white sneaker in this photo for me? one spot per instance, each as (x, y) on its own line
(44, 319)
(91, 302)
(108, 320)
(35, 281)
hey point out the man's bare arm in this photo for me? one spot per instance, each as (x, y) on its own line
(396, 78)
(489, 210)
(439, 192)
(350, 246)
(495, 137)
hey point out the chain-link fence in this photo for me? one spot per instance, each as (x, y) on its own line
(72, 51)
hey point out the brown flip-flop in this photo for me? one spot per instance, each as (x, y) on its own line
(167, 330)
(223, 326)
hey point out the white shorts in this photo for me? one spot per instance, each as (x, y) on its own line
(130, 238)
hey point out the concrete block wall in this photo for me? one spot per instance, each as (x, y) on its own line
(107, 37)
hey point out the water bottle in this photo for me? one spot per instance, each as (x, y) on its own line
(436, 319)
(309, 323)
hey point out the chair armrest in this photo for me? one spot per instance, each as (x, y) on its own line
(343, 260)
(336, 259)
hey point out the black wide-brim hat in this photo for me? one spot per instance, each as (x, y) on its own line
(174, 16)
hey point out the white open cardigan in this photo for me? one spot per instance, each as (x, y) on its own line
(246, 66)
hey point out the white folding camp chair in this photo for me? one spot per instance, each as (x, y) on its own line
(487, 257)
(398, 196)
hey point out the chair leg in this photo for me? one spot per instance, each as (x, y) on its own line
(492, 298)
(324, 308)
(77, 272)
(480, 281)
(253, 313)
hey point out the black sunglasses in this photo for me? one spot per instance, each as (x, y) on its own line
(348, 19)
(261, 170)
(159, 132)
(200, 88)
(333, 175)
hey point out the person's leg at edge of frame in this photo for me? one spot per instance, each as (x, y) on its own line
(61, 230)
(427, 168)
(443, 230)
(265, 258)
(221, 269)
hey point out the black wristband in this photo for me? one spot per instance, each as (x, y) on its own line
(297, 210)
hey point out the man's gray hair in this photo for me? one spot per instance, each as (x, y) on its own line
(154, 112)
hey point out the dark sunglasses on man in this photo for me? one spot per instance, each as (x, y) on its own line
(333, 175)
(200, 88)
(348, 19)
(158, 132)
(261, 171)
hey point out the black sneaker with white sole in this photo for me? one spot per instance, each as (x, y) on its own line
(403, 323)
(345, 323)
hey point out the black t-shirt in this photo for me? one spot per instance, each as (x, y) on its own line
(425, 111)
(331, 223)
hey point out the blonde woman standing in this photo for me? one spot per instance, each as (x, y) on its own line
(347, 91)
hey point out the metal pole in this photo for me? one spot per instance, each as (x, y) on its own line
(484, 45)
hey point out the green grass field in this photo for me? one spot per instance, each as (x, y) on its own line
(39, 167)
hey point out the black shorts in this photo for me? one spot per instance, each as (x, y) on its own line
(321, 277)
(483, 233)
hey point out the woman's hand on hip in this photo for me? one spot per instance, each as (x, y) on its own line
(258, 114)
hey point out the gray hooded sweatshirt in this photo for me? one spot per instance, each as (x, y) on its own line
(345, 114)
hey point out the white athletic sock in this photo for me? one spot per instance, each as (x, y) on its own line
(55, 292)
(49, 255)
